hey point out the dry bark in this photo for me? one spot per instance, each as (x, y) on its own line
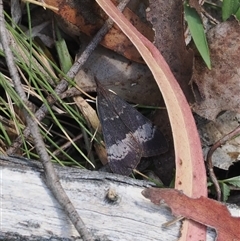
(30, 212)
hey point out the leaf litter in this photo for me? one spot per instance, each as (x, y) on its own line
(223, 41)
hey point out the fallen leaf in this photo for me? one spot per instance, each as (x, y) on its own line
(167, 20)
(190, 169)
(212, 131)
(85, 16)
(203, 210)
(126, 78)
(219, 88)
(88, 112)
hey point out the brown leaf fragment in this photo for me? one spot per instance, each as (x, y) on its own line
(195, 4)
(88, 112)
(167, 20)
(132, 81)
(202, 210)
(76, 16)
(219, 87)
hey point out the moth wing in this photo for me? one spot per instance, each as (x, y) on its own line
(146, 133)
(152, 140)
(124, 155)
(123, 150)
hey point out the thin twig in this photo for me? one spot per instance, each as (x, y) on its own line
(63, 84)
(209, 16)
(51, 176)
(66, 145)
(42, 4)
(219, 143)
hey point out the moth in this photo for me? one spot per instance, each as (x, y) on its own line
(128, 135)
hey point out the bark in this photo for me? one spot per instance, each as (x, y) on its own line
(111, 206)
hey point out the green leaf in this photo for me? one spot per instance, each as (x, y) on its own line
(225, 191)
(197, 31)
(237, 14)
(229, 7)
(63, 53)
(235, 181)
(209, 184)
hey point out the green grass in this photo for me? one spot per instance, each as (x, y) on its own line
(40, 76)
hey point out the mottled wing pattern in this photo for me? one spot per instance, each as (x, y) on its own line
(123, 150)
(127, 133)
(149, 137)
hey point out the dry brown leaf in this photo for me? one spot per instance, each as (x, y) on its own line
(130, 80)
(85, 16)
(88, 112)
(220, 86)
(101, 153)
(203, 210)
(167, 20)
(212, 131)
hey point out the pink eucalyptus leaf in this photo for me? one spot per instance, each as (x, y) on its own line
(190, 169)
